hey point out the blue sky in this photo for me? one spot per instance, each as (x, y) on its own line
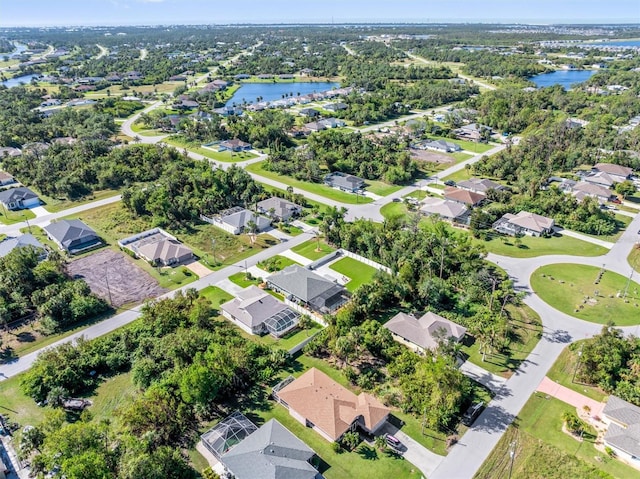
(149, 12)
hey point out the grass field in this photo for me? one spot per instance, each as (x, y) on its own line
(313, 249)
(567, 286)
(634, 258)
(460, 156)
(8, 217)
(211, 153)
(564, 368)
(525, 334)
(393, 209)
(531, 246)
(317, 188)
(142, 130)
(241, 280)
(358, 272)
(381, 188)
(461, 175)
(216, 295)
(55, 205)
(281, 262)
(471, 146)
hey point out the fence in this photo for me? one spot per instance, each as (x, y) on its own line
(302, 310)
(364, 260)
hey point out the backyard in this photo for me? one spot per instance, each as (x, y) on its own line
(316, 188)
(531, 246)
(571, 288)
(359, 273)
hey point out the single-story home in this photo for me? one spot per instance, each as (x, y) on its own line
(336, 106)
(524, 223)
(623, 432)
(6, 178)
(317, 401)
(616, 172)
(158, 247)
(472, 132)
(19, 198)
(236, 220)
(440, 145)
(25, 240)
(331, 123)
(423, 333)
(315, 126)
(72, 236)
(234, 145)
(479, 185)
(344, 181)
(447, 209)
(257, 312)
(466, 197)
(305, 287)
(583, 189)
(10, 151)
(309, 112)
(279, 208)
(600, 178)
(222, 437)
(271, 452)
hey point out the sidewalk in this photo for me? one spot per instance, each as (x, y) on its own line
(582, 237)
(296, 257)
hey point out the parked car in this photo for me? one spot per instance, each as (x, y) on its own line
(616, 200)
(450, 183)
(472, 414)
(393, 442)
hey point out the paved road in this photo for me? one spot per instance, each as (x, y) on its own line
(24, 362)
(488, 86)
(103, 52)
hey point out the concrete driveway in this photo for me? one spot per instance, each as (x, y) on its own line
(415, 453)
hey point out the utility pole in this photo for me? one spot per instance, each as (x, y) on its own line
(626, 288)
(213, 250)
(512, 456)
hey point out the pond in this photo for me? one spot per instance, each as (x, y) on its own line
(15, 81)
(250, 92)
(566, 78)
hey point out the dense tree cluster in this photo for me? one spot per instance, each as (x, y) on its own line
(28, 286)
(185, 364)
(611, 361)
(353, 153)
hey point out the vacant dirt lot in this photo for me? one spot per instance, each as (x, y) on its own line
(126, 281)
(430, 156)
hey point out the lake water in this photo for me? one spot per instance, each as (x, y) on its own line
(17, 52)
(566, 78)
(15, 81)
(274, 91)
(619, 43)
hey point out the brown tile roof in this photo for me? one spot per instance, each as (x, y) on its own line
(330, 406)
(463, 196)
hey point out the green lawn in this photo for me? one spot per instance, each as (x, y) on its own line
(241, 280)
(211, 153)
(525, 334)
(313, 249)
(393, 209)
(141, 130)
(634, 258)
(471, 146)
(112, 393)
(8, 217)
(417, 194)
(19, 407)
(54, 205)
(316, 188)
(216, 295)
(567, 286)
(289, 229)
(461, 175)
(358, 272)
(460, 156)
(381, 188)
(564, 368)
(279, 262)
(289, 340)
(531, 246)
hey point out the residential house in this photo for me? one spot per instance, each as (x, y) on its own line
(234, 145)
(309, 289)
(439, 145)
(616, 172)
(479, 185)
(309, 112)
(279, 208)
(423, 333)
(257, 312)
(583, 189)
(344, 182)
(524, 223)
(229, 432)
(473, 132)
(466, 197)
(447, 209)
(271, 452)
(236, 220)
(331, 123)
(336, 106)
(623, 431)
(19, 198)
(242, 76)
(186, 104)
(6, 178)
(317, 401)
(575, 123)
(72, 236)
(315, 126)
(600, 178)
(10, 151)
(166, 252)
(25, 240)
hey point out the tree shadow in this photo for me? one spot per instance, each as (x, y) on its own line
(367, 452)
(25, 337)
(494, 419)
(8, 355)
(557, 336)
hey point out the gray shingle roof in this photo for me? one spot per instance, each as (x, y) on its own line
(71, 233)
(303, 284)
(16, 194)
(282, 208)
(272, 452)
(253, 306)
(622, 411)
(165, 250)
(241, 219)
(10, 244)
